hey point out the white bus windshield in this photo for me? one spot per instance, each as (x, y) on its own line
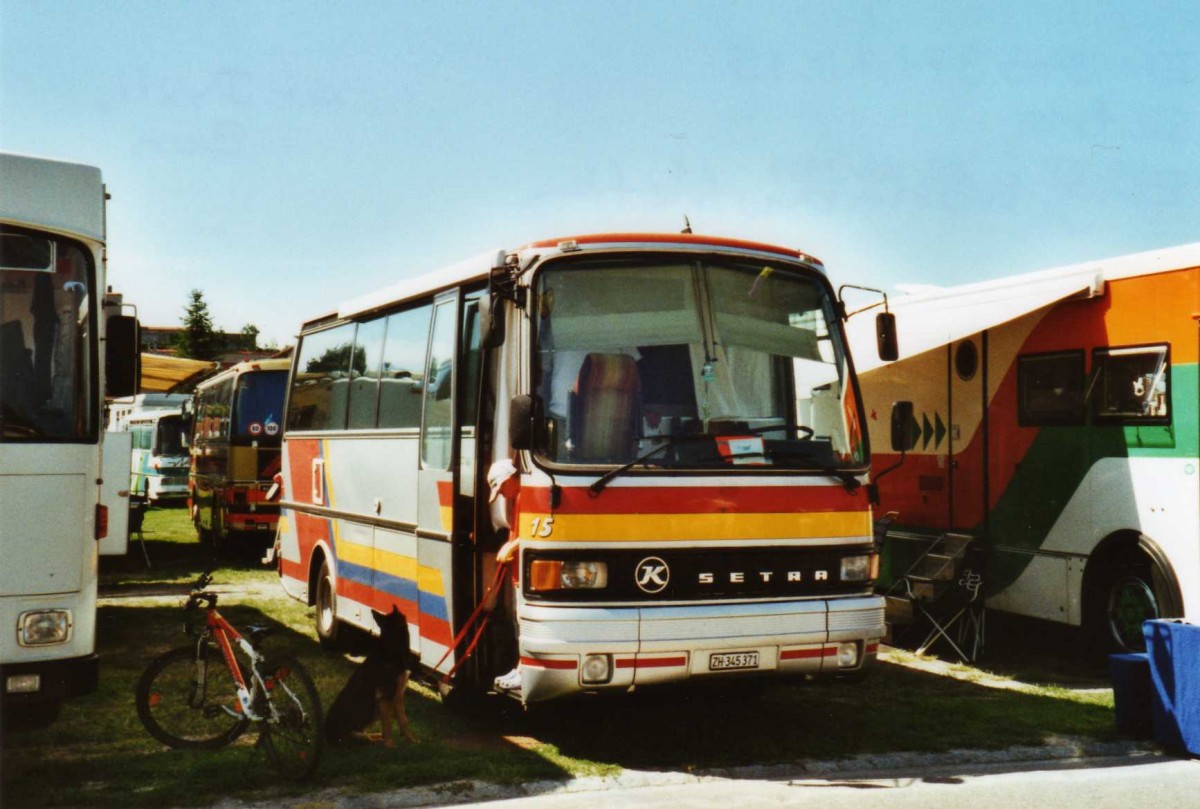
(637, 353)
(46, 375)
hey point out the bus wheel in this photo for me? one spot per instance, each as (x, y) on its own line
(1134, 588)
(328, 626)
(202, 533)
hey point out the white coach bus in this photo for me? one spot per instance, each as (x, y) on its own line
(58, 349)
(684, 422)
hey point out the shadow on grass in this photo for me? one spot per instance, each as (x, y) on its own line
(894, 709)
(98, 754)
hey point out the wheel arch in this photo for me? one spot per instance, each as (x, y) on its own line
(1123, 546)
(320, 554)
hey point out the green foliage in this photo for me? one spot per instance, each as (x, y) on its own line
(198, 340)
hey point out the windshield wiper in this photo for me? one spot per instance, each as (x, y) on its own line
(670, 441)
(848, 479)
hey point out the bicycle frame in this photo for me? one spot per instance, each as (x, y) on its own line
(226, 635)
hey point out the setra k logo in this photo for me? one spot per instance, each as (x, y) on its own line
(652, 575)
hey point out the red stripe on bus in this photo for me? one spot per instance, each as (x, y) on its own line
(561, 665)
(872, 648)
(651, 662)
(695, 500)
(805, 654)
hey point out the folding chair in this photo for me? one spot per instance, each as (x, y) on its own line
(959, 612)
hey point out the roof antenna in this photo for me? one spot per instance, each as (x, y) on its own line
(687, 225)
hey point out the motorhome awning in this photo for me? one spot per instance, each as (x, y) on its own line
(927, 320)
(164, 374)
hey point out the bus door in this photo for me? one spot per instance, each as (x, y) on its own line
(437, 477)
(966, 432)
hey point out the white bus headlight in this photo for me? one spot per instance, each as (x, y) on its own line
(847, 655)
(44, 627)
(554, 574)
(860, 568)
(596, 669)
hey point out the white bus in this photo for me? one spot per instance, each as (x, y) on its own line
(684, 420)
(159, 433)
(58, 349)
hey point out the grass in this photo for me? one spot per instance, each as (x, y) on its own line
(98, 755)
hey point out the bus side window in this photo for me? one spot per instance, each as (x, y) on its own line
(401, 376)
(364, 377)
(323, 369)
(437, 424)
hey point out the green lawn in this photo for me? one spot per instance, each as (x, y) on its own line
(98, 754)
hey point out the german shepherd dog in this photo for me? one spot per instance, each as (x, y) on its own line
(375, 691)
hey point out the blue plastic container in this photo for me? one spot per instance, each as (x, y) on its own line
(1173, 650)
(1130, 674)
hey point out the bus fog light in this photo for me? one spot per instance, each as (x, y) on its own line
(847, 655)
(44, 627)
(23, 684)
(857, 568)
(597, 669)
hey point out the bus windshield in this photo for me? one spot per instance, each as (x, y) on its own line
(46, 374)
(721, 362)
(258, 410)
(172, 436)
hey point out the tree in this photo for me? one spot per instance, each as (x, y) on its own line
(197, 340)
(250, 337)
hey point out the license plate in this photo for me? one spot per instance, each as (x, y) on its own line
(727, 661)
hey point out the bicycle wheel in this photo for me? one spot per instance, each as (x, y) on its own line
(183, 710)
(293, 730)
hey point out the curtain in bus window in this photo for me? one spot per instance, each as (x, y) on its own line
(402, 372)
(364, 384)
(45, 365)
(323, 370)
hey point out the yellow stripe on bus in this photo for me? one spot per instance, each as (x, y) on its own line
(693, 527)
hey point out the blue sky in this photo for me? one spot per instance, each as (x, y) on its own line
(285, 156)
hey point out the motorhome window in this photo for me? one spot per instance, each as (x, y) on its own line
(402, 374)
(259, 404)
(324, 366)
(439, 389)
(1132, 384)
(1050, 389)
(632, 352)
(46, 311)
(364, 385)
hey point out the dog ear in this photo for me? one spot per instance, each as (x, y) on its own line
(379, 617)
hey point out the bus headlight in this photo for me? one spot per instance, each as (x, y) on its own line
(860, 568)
(554, 574)
(596, 669)
(847, 655)
(43, 627)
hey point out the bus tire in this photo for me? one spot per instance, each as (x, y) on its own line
(329, 627)
(1135, 584)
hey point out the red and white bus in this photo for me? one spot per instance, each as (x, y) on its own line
(684, 419)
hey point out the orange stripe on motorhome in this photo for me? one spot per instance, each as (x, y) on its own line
(697, 499)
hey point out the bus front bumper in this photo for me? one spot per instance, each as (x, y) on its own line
(48, 681)
(581, 649)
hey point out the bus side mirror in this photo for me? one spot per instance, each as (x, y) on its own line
(521, 414)
(491, 322)
(885, 336)
(902, 432)
(122, 361)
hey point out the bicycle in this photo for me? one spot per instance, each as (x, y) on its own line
(191, 697)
